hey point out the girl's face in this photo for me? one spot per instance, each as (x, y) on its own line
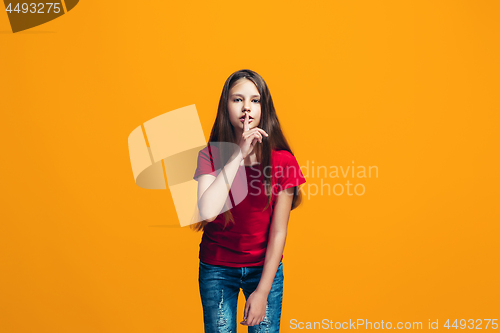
(243, 98)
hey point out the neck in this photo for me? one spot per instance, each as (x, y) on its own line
(250, 159)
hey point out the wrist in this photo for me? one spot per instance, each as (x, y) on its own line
(263, 291)
(239, 157)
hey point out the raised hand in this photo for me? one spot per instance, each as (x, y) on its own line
(250, 137)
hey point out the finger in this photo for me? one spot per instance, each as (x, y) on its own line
(260, 137)
(252, 136)
(253, 321)
(247, 135)
(255, 139)
(245, 313)
(261, 131)
(249, 315)
(257, 134)
(246, 127)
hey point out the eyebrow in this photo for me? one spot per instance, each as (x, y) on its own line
(244, 96)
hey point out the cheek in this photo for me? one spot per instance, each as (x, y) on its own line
(233, 114)
(260, 115)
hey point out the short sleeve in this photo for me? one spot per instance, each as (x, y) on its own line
(288, 172)
(205, 164)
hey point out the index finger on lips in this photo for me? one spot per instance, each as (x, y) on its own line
(245, 124)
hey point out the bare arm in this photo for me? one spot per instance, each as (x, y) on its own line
(213, 191)
(255, 308)
(277, 237)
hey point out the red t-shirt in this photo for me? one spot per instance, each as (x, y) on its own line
(244, 243)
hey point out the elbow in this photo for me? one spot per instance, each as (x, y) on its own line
(210, 219)
(207, 209)
(206, 215)
(278, 234)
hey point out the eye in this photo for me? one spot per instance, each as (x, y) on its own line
(256, 100)
(236, 99)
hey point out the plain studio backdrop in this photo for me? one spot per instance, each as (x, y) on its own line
(408, 87)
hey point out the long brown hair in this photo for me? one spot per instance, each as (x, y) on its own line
(223, 131)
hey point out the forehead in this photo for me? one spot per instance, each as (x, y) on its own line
(243, 86)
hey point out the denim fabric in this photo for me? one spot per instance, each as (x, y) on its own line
(219, 289)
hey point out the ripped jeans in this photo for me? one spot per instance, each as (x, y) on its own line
(219, 289)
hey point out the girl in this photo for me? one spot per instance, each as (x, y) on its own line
(242, 247)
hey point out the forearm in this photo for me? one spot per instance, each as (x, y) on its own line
(274, 252)
(215, 196)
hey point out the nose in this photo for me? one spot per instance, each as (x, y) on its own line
(246, 106)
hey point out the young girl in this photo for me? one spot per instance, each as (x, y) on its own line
(242, 247)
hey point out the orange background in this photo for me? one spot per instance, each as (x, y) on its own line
(408, 86)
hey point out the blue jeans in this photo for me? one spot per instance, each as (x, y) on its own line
(219, 289)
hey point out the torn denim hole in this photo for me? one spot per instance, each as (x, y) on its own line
(222, 322)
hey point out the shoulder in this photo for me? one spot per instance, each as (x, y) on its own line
(206, 157)
(282, 156)
(208, 151)
(204, 151)
(282, 153)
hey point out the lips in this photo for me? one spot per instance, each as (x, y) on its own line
(250, 117)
